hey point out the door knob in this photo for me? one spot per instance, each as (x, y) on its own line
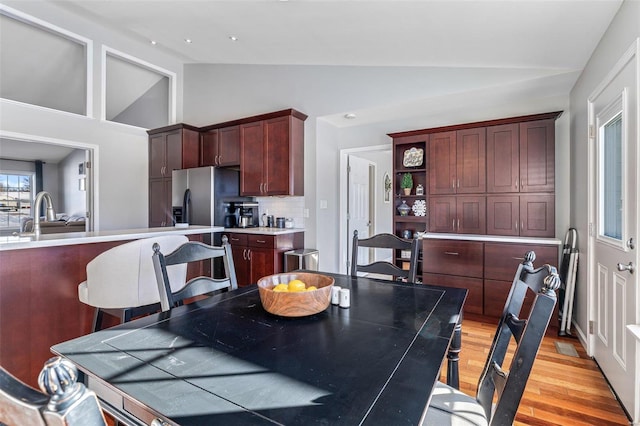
(629, 267)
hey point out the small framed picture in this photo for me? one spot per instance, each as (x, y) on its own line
(81, 169)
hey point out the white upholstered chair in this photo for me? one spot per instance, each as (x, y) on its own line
(121, 281)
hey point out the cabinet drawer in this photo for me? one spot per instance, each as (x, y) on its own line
(237, 239)
(261, 241)
(501, 260)
(462, 258)
(473, 303)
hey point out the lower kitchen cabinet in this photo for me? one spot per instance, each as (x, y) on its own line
(258, 255)
(474, 302)
(501, 261)
(485, 269)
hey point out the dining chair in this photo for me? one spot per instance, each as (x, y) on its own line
(121, 281)
(385, 241)
(192, 251)
(451, 406)
(62, 402)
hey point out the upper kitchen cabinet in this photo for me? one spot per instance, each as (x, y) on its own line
(521, 157)
(457, 161)
(172, 148)
(272, 154)
(220, 147)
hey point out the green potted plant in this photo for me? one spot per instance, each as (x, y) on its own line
(407, 183)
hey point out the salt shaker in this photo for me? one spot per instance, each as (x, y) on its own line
(335, 295)
(345, 298)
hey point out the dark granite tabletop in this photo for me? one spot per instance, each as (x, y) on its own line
(225, 360)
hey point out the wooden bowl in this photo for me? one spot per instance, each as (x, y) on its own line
(295, 304)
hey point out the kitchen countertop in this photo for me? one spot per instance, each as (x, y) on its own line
(71, 238)
(263, 230)
(491, 238)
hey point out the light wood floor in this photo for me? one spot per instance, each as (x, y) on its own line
(562, 390)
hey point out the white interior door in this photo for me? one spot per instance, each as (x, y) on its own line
(358, 214)
(614, 129)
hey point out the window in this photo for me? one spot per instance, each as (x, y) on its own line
(612, 178)
(43, 65)
(137, 93)
(16, 198)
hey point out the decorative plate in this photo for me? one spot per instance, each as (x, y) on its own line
(413, 157)
(419, 208)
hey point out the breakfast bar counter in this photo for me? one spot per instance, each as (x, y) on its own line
(74, 238)
(39, 279)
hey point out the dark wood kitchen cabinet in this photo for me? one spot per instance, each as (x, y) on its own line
(220, 147)
(521, 157)
(457, 214)
(454, 263)
(272, 155)
(528, 215)
(501, 260)
(457, 160)
(259, 255)
(170, 148)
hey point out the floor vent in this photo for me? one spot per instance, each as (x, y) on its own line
(566, 349)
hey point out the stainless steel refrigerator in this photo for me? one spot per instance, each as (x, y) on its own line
(197, 198)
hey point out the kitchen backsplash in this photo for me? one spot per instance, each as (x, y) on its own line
(292, 207)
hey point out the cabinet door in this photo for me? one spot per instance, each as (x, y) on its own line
(263, 263)
(442, 163)
(442, 214)
(471, 176)
(471, 215)
(160, 213)
(251, 158)
(174, 152)
(473, 303)
(229, 146)
(537, 215)
(503, 215)
(503, 158)
(242, 264)
(537, 156)
(277, 165)
(157, 156)
(501, 260)
(208, 148)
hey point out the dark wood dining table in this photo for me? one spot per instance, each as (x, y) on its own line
(225, 360)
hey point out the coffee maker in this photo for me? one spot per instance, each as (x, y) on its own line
(241, 214)
(248, 214)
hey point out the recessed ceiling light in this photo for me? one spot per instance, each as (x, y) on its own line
(233, 38)
(350, 116)
(154, 42)
(188, 40)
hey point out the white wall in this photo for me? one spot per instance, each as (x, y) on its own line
(73, 201)
(624, 29)
(215, 93)
(120, 163)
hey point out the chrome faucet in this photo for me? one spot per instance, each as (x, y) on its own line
(50, 214)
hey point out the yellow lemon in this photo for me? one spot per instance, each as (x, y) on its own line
(313, 287)
(281, 287)
(297, 285)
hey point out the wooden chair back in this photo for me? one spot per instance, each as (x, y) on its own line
(192, 251)
(528, 332)
(386, 241)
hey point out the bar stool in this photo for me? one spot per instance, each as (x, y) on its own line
(121, 281)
